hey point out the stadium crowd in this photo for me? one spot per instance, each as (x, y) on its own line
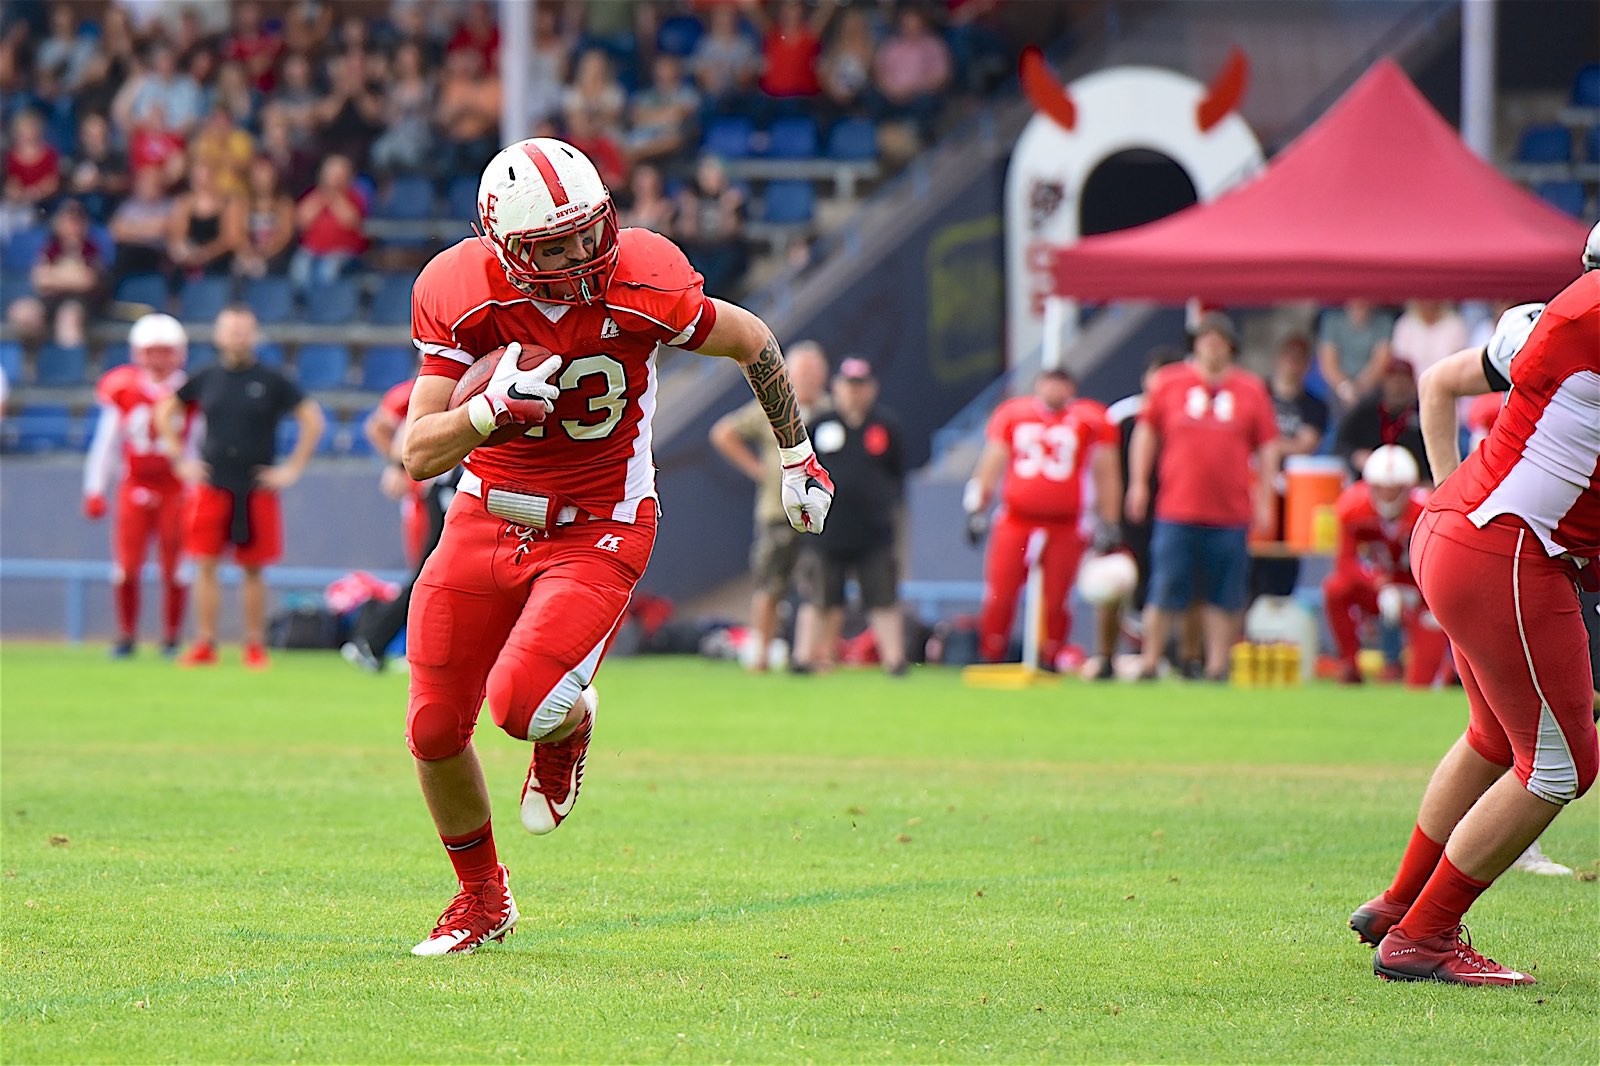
(183, 141)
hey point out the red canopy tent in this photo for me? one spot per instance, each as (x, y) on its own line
(1378, 200)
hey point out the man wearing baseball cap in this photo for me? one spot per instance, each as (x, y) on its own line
(149, 502)
(861, 444)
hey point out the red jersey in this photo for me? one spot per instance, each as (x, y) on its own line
(395, 403)
(1049, 454)
(128, 396)
(1374, 544)
(1541, 460)
(593, 450)
(1209, 435)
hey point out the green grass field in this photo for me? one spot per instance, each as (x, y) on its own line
(218, 866)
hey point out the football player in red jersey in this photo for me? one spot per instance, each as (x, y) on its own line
(550, 532)
(149, 493)
(1499, 554)
(1043, 445)
(1372, 567)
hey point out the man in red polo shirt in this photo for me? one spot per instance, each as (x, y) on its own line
(1208, 420)
(329, 218)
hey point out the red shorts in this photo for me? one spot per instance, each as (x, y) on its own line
(211, 518)
(518, 616)
(1521, 648)
(145, 510)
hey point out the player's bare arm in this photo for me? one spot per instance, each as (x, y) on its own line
(436, 438)
(741, 336)
(1440, 386)
(1141, 461)
(308, 414)
(1105, 467)
(979, 492)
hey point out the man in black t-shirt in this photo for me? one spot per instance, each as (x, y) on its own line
(862, 446)
(236, 479)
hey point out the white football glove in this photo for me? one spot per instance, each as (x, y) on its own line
(1395, 600)
(807, 488)
(514, 394)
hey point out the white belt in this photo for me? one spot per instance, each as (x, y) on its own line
(525, 509)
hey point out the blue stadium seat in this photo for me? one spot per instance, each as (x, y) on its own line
(1591, 145)
(1548, 143)
(387, 365)
(322, 366)
(100, 236)
(334, 304)
(14, 284)
(853, 139)
(728, 137)
(22, 249)
(42, 428)
(200, 356)
(115, 355)
(202, 299)
(61, 366)
(789, 202)
(678, 35)
(270, 353)
(391, 301)
(407, 197)
(150, 289)
(11, 361)
(1565, 195)
(1586, 86)
(356, 443)
(461, 197)
(272, 299)
(792, 138)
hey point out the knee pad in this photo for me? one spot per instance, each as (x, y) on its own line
(433, 732)
(525, 703)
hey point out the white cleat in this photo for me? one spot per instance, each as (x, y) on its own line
(1535, 861)
(555, 773)
(478, 915)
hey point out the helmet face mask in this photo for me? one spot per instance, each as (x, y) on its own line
(537, 197)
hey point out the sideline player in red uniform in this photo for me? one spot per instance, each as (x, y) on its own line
(550, 532)
(1043, 445)
(1372, 567)
(382, 428)
(1499, 555)
(149, 493)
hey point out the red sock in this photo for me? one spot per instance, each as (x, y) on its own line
(1443, 902)
(128, 606)
(177, 598)
(1416, 866)
(473, 854)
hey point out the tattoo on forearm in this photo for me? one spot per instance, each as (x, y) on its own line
(770, 382)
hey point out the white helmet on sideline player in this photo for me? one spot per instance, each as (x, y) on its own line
(1591, 250)
(542, 189)
(159, 344)
(1390, 473)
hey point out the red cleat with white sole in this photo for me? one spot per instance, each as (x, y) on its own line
(555, 774)
(479, 914)
(1375, 917)
(1441, 958)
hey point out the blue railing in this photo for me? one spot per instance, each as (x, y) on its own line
(78, 574)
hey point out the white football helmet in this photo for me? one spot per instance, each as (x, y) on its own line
(1591, 250)
(159, 344)
(542, 189)
(1391, 473)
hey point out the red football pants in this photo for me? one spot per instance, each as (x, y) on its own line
(516, 616)
(1005, 569)
(1350, 596)
(147, 512)
(1521, 649)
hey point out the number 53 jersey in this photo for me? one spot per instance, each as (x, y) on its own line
(593, 451)
(1049, 452)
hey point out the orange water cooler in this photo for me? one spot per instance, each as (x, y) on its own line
(1312, 484)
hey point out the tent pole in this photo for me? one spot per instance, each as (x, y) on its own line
(1478, 75)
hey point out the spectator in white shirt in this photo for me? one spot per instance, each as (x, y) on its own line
(1428, 332)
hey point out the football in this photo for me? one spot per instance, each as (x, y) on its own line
(476, 379)
(1107, 578)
